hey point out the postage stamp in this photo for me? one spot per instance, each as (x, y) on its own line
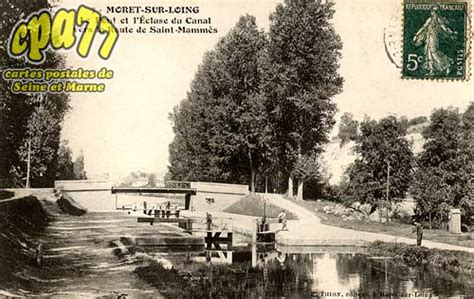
(436, 39)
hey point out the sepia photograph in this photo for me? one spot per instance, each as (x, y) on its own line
(236, 149)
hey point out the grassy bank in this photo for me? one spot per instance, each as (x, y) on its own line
(252, 205)
(395, 227)
(449, 261)
(21, 220)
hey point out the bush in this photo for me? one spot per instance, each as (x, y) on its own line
(414, 255)
(331, 193)
(449, 261)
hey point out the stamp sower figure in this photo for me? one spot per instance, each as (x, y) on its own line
(419, 232)
(282, 220)
(429, 34)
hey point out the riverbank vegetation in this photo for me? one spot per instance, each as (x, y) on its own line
(449, 261)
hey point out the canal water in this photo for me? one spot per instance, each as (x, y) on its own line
(91, 256)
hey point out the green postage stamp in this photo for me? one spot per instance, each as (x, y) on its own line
(436, 39)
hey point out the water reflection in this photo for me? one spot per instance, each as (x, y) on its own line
(332, 275)
(305, 275)
(353, 276)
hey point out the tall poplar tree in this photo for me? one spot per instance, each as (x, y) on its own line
(300, 78)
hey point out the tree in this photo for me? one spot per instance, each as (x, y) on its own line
(347, 128)
(221, 131)
(152, 180)
(299, 69)
(192, 155)
(381, 148)
(468, 127)
(19, 112)
(310, 168)
(43, 134)
(65, 165)
(404, 123)
(79, 171)
(444, 167)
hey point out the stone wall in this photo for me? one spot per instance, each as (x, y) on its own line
(83, 185)
(216, 196)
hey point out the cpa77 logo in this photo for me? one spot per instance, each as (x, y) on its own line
(32, 37)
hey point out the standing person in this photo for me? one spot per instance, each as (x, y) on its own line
(282, 220)
(419, 232)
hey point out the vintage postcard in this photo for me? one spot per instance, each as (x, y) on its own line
(236, 149)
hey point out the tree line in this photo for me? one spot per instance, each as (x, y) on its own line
(260, 105)
(30, 123)
(439, 178)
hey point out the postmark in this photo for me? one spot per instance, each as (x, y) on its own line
(436, 39)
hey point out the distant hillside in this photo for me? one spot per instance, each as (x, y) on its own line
(337, 158)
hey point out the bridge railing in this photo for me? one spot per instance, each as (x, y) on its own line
(160, 183)
(177, 184)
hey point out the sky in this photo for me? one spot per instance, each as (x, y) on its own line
(127, 128)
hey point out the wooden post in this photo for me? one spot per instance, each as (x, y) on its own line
(290, 187)
(190, 226)
(388, 190)
(254, 244)
(28, 165)
(264, 220)
(229, 257)
(208, 221)
(266, 184)
(187, 202)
